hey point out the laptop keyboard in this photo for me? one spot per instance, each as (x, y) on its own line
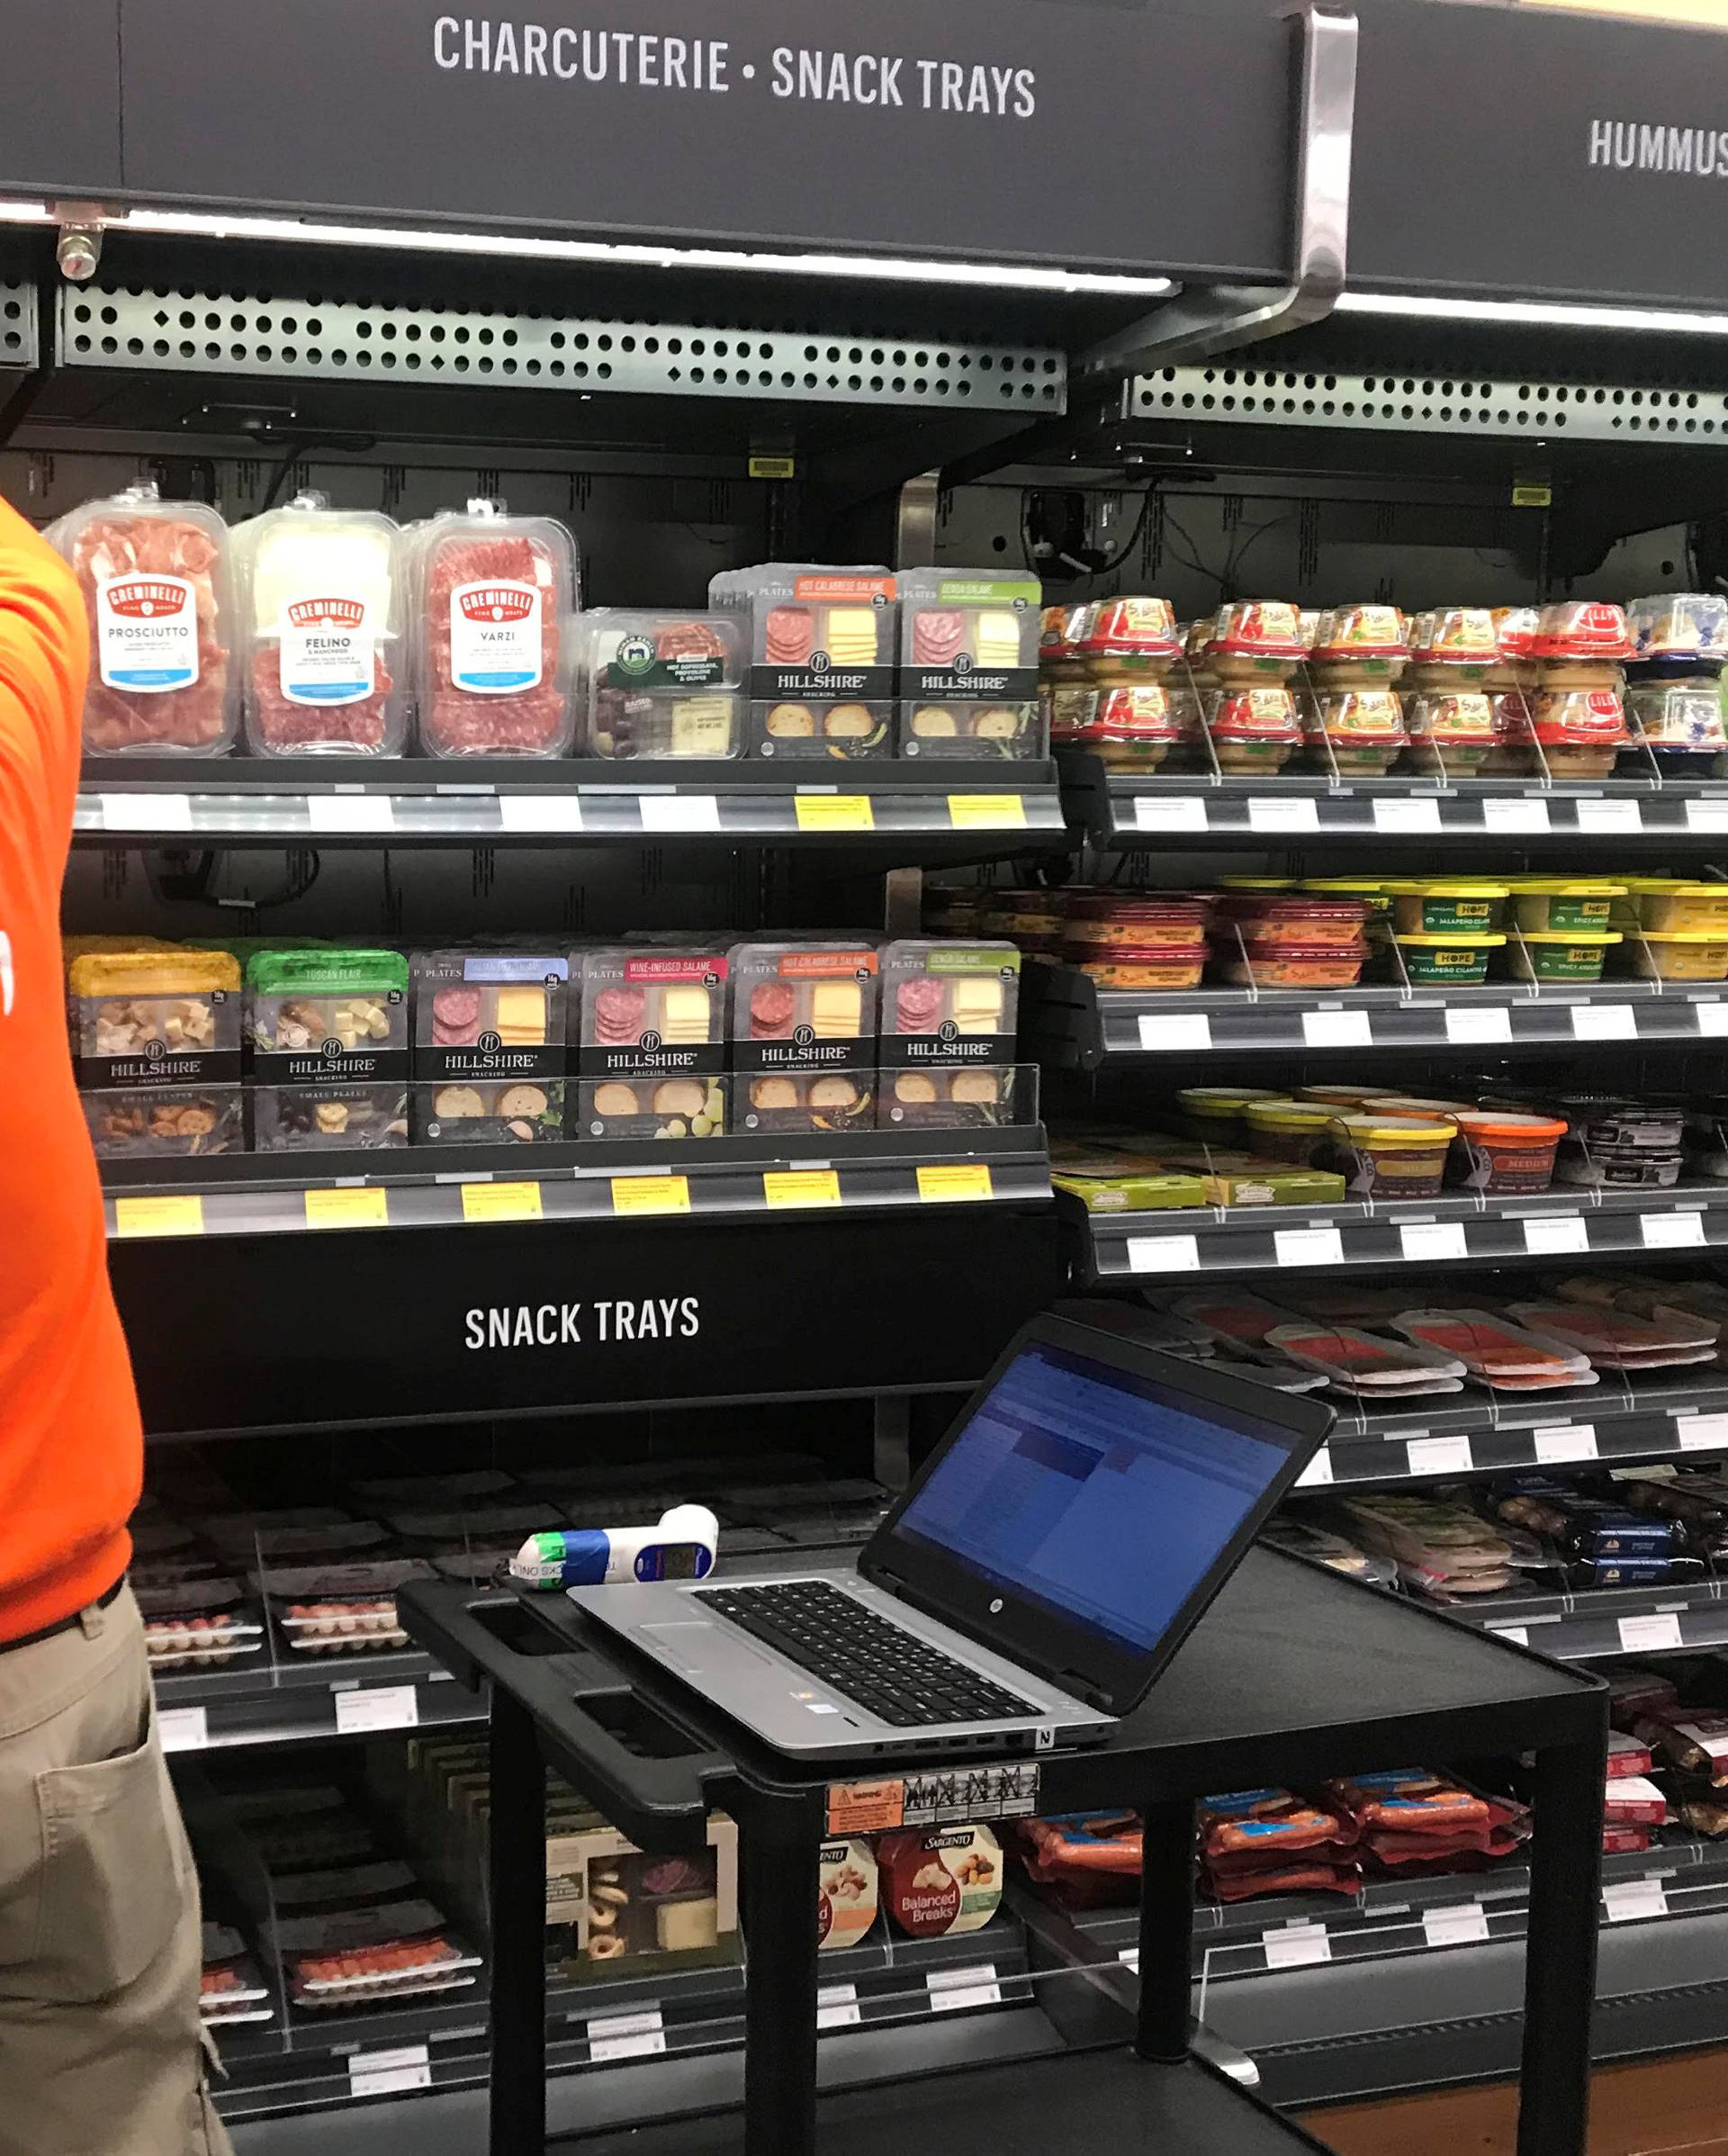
(873, 1661)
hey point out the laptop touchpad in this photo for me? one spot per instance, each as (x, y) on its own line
(698, 1645)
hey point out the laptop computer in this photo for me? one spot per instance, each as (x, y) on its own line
(1045, 1565)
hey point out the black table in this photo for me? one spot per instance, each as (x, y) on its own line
(1295, 1674)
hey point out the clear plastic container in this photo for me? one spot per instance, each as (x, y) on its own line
(157, 587)
(1139, 965)
(1581, 730)
(1301, 920)
(155, 1040)
(823, 647)
(1058, 655)
(1678, 718)
(1255, 642)
(494, 652)
(1591, 634)
(489, 1057)
(1105, 917)
(1280, 964)
(1126, 728)
(328, 1036)
(322, 655)
(1253, 729)
(1364, 729)
(1359, 646)
(969, 664)
(1452, 647)
(1460, 723)
(1128, 640)
(652, 1059)
(948, 1026)
(1688, 626)
(656, 685)
(802, 1036)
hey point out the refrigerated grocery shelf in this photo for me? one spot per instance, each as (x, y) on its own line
(1602, 1623)
(257, 1701)
(1075, 1024)
(1117, 809)
(1111, 1249)
(953, 807)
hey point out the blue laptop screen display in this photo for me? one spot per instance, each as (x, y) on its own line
(1094, 1491)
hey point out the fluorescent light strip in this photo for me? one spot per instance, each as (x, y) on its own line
(1538, 312)
(879, 269)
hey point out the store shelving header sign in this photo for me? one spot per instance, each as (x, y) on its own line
(1500, 148)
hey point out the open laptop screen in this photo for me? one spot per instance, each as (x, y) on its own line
(1101, 1495)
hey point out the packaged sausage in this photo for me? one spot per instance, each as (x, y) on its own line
(947, 1047)
(492, 599)
(654, 685)
(940, 1880)
(155, 1041)
(328, 1037)
(823, 642)
(338, 1609)
(653, 1057)
(322, 656)
(490, 1033)
(802, 1036)
(230, 1990)
(969, 663)
(157, 588)
(847, 1893)
(350, 1958)
(197, 1624)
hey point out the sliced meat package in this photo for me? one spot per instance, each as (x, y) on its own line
(156, 580)
(493, 596)
(1613, 1340)
(1365, 1362)
(1500, 1355)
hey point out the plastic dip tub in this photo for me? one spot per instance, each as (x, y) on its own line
(1436, 961)
(1447, 909)
(1393, 1156)
(1280, 965)
(1682, 954)
(1507, 1155)
(1215, 1114)
(1139, 965)
(1557, 954)
(1565, 907)
(1682, 908)
(1289, 1130)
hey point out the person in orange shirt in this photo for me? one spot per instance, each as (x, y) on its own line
(100, 2046)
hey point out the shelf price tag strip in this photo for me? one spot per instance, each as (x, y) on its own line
(484, 1202)
(799, 1187)
(366, 1208)
(954, 1181)
(183, 1728)
(837, 2006)
(390, 2073)
(632, 1195)
(834, 812)
(370, 1707)
(953, 1989)
(614, 2036)
(372, 815)
(987, 811)
(1462, 1925)
(178, 1215)
(1296, 1945)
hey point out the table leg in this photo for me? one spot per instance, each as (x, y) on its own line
(780, 1846)
(1166, 1931)
(1560, 1964)
(518, 1865)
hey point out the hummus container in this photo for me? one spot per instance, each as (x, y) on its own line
(1307, 924)
(1515, 626)
(1438, 962)
(1568, 907)
(1358, 647)
(1459, 723)
(1362, 727)
(1277, 964)
(1127, 729)
(1057, 660)
(1504, 1155)
(1603, 1120)
(1678, 718)
(1128, 640)
(1514, 744)
(1582, 644)
(1217, 1115)
(1581, 730)
(1392, 1156)
(1369, 890)
(1253, 729)
(1265, 883)
(1106, 919)
(1139, 965)
(1463, 907)
(1616, 1167)
(1560, 955)
(1453, 646)
(1019, 914)
(1257, 642)
(1673, 908)
(1682, 954)
(1288, 1129)
(1340, 1096)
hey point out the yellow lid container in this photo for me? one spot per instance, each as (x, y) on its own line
(1401, 1106)
(1257, 883)
(1290, 1114)
(1339, 1097)
(1398, 1133)
(1489, 939)
(1571, 935)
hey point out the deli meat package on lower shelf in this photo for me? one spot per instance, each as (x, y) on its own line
(494, 596)
(155, 583)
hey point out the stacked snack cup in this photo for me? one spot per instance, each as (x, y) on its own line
(1578, 713)
(1354, 718)
(1674, 699)
(1253, 650)
(1130, 713)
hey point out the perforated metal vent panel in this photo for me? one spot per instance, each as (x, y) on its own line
(1431, 404)
(211, 332)
(18, 346)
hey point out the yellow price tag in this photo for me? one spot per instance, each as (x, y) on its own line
(160, 1216)
(802, 1186)
(651, 1194)
(836, 812)
(773, 467)
(347, 1209)
(987, 811)
(1533, 497)
(955, 1179)
(501, 1201)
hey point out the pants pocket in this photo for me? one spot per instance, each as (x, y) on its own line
(110, 1886)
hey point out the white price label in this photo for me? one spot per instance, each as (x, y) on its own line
(1610, 816)
(1463, 1926)
(183, 1728)
(1604, 1021)
(376, 1707)
(1337, 1029)
(613, 2036)
(1713, 1019)
(1176, 1032)
(1702, 1433)
(526, 813)
(1183, 814)
(1440, 1455)
(1707, 816)
(1469, 1029)
(1163, 1254)
(1296, 1945)
(1627, 1901)
(1515, 1633)
(952, 1989)
(390, 2073)
(679, 812)
(350, 812)
(1649, 1635)
(1556, 1237)
(1515, 816)
(1433, 1242)
(146, 811)
(1571, 1441)
(1418, 815)
(837, 2006)
(1318, 1474)
(1671, 1230)
(1129, 1957)
(1282, 815)
(1309, 1246)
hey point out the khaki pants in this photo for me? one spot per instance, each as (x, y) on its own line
(100, 1946)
